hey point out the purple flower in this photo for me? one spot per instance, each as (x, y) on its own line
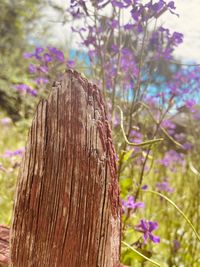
(71, 63)
(177, 38)
(115, 48)
(180, 137)
(5, 121)
(21, 87)
(41, 80)
(135, 13)
(31, 91)
(10, 153)
(136, 136)
(43, 69)
(128, 26)
(176, 245)
(116, 121)
(131, 204)
(118, 4)
(172, 158)
(164, 186)
(168, 124)
(47, 58)
(32, 68)
(155, 7)
(147, 227)
(39, 50)
(114, 24)
(24, 88)
(57, 54)
(171, 5)
(144, 187)
(187, 146)
(36, 54)
(116, 156)
(28, 55)
(190, 104)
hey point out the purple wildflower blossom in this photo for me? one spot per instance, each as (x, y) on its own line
(190, 104)
(5, 121)
(171, 5)
(147, 227)
(21, 87)
(116, 156)
(43, 69)
(41, 80)
(168, 124)
(71, 63)
(176, 246)
(28, 55)
(187, 146)
(32, 68)
(128, 26)
(144, 187)
(31, 91)
(118, 4)
(24, 88)
(36, 54)
(156, 7)
(39, 50)
(10, 153)
(114, 24)
(131, 204)
(59, 56)
(47, 58)
(172, 158)
(164, 186)
(177, 38)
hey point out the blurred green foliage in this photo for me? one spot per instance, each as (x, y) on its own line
(17, 22)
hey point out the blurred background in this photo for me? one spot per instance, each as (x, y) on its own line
(39, 41)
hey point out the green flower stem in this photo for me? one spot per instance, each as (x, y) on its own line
(149, 142)
(177, 208)
(193, 169)
(162, 129)
(140, 254)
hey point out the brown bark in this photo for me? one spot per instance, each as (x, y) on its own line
(67, 211)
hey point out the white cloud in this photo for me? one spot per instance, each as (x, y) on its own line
(189, 24)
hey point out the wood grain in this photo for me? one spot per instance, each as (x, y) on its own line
(67, 210)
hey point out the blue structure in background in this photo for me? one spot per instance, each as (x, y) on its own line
(83, 57)
(80, 56)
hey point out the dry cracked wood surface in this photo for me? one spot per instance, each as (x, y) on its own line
(4, 244)
(67, 209)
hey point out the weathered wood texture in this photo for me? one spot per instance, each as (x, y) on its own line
(4, 245)
(67, 211)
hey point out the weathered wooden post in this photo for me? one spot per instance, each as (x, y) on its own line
(4, 245)
(67, 211)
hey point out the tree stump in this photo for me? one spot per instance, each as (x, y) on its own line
(67, 210)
